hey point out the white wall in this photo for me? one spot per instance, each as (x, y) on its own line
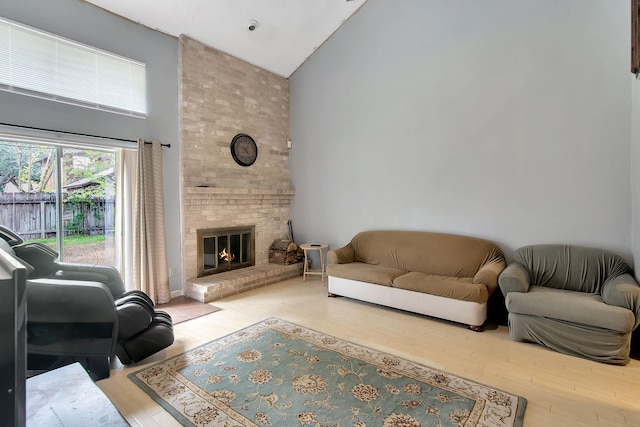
(635, 173)
(507, 120)
(83, 22)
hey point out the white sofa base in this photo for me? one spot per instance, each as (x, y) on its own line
(469, 313)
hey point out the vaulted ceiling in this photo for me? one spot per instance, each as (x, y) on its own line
(285, 34)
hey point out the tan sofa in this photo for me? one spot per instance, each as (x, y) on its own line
(442, 275)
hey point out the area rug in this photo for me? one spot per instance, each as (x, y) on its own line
(184, 308)
(277, 373)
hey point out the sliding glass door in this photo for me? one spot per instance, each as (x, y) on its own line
(63, 197)
(88, 208)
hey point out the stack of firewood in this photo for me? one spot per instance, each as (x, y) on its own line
(283, 251)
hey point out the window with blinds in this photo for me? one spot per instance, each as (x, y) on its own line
(36, 63)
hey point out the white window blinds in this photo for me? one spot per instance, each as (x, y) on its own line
(47, 66)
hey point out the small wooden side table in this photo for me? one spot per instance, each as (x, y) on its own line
(320, 247)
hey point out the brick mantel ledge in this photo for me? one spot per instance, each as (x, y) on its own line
(210, 195)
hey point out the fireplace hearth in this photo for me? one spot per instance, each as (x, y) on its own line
(225, 249)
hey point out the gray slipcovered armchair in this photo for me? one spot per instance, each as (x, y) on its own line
(576, 300)
(81, 312)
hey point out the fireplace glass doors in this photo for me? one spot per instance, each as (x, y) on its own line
(224, 249)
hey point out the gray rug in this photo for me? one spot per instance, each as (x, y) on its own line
(184, 308)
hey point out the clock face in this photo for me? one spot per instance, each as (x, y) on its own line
(244, 150)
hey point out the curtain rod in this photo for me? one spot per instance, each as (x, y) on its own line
(79, 134)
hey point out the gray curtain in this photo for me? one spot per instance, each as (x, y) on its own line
(150, 272)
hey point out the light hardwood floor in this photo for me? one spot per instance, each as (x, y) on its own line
(561, 390)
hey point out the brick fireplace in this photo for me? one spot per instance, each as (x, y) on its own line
(221, 96)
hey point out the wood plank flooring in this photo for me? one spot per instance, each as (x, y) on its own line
(561, 390)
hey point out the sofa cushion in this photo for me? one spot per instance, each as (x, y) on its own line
(426, 252)
(570, 306)
(363, 272)
(574, 268)
(460, 288)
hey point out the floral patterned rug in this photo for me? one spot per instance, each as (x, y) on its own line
(277, 373)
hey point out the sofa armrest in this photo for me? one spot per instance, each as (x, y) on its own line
(343, 255)
(108, 275)
(71, 317)
(38, 255)
(623, 291)
(514, 278)
(489, 272)
(59, 301)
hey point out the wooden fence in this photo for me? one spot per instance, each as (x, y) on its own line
(33, 215)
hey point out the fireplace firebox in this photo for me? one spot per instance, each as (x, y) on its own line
(224, 249)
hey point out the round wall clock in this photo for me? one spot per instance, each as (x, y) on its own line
(244, 149)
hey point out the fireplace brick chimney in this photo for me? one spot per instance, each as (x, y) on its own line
(219, 97)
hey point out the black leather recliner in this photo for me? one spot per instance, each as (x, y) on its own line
(81, 312)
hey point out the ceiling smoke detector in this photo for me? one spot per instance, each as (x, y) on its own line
(251, 24)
